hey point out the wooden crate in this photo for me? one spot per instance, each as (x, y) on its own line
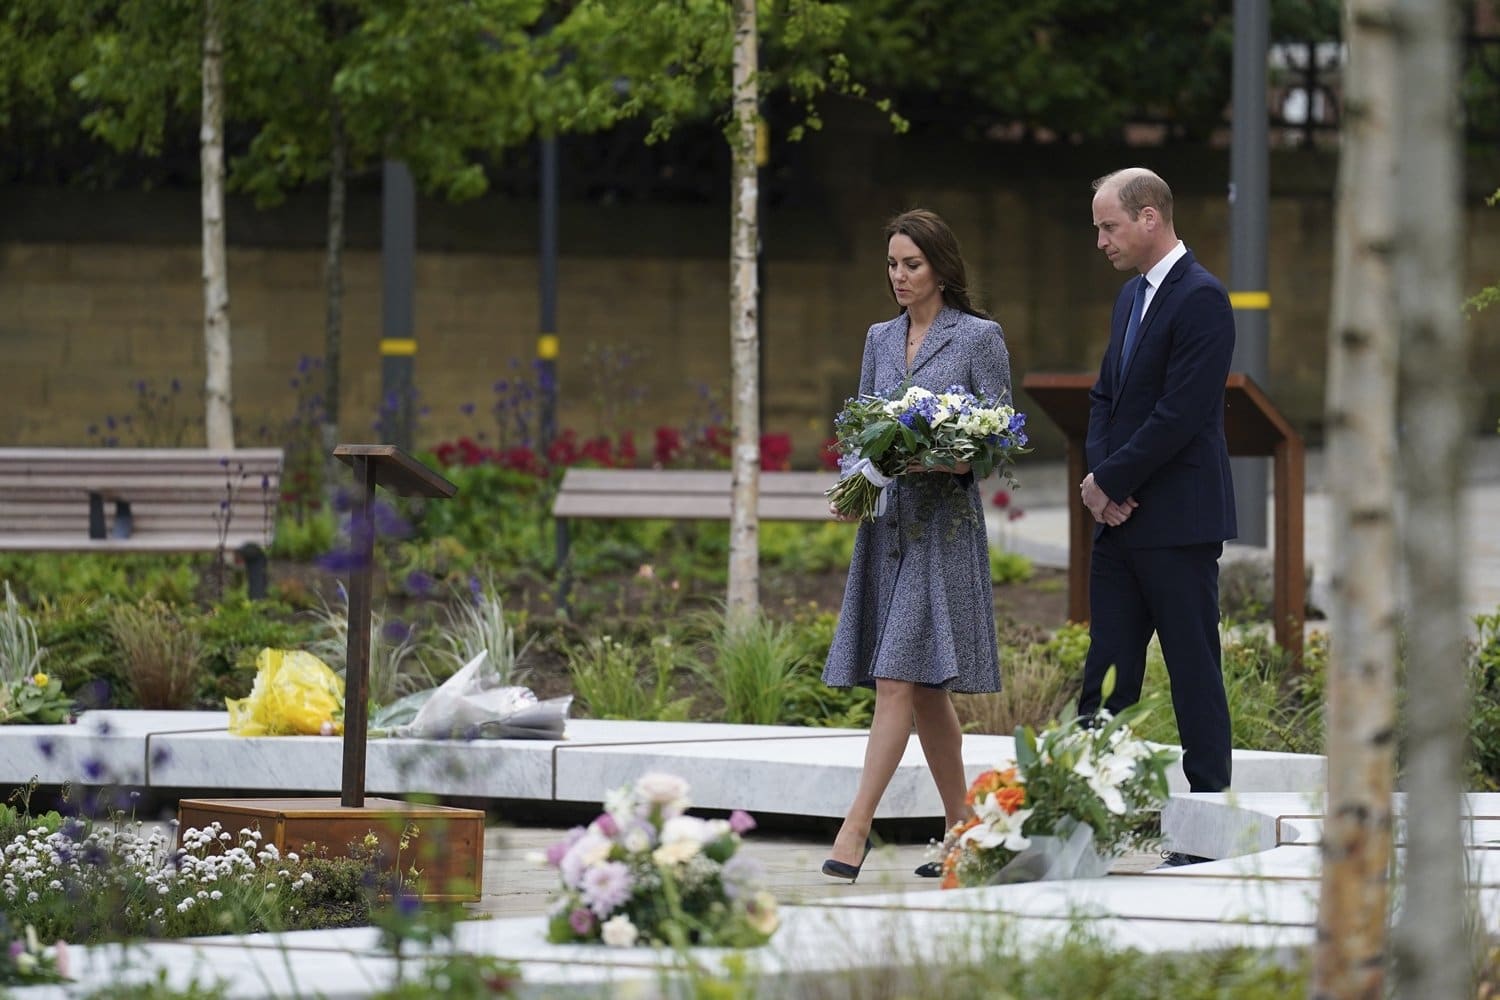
(448, 847)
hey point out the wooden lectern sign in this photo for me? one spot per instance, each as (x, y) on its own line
(450, 842)
(374, 465)
(1253, 427)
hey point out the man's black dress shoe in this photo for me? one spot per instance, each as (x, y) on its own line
(930, 869)
(841, 869)
(1176, 859)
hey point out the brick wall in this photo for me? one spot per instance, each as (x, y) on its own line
(98, 291)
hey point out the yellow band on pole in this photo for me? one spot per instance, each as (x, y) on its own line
(1250, 300)
(762, 143)
(398, 346)
(547, 346)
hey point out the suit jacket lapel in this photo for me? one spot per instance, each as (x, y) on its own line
(1159, 301)
(938, 334)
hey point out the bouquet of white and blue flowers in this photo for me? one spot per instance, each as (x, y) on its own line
(881, 438)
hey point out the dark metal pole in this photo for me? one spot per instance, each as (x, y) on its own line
(1249, 185)
(357, 653)
(547, 344)
(398, 337)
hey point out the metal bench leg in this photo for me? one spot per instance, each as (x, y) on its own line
(255, 570)
(96, 515)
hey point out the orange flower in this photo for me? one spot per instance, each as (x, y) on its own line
(983, 785)
(1010, 799)
(950, 879)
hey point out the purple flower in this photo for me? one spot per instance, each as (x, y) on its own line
(740, 874)
(556, 851)
(17, 948)
(46, 747)
(606, 886)
(606, 825)
(741, 821)
(582, 921)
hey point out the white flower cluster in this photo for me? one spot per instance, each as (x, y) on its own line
(144, 866)
(1107, 766)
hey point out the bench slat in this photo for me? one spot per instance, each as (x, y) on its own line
(175, 495)
(172, 542)
(678, 494)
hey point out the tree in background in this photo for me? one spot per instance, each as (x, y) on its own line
(1434, 942)
(1068, 68)
(1350, 957)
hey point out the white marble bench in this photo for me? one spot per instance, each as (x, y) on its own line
(765, 769)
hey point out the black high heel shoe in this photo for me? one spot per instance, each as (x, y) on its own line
(929, 869)
(839, 869)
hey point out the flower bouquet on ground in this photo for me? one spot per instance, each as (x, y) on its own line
(1075, 799)
(881, 438)
(646, 872)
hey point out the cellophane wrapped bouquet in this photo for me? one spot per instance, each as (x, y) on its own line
(880, 438)
(645, 872)
(1074, 799)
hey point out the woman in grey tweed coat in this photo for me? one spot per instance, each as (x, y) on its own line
(918, 615)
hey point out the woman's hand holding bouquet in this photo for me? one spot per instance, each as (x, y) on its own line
(918, 430)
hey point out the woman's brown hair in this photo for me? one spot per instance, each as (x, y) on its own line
(938, 244)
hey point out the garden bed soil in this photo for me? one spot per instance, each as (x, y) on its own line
(1033, 605)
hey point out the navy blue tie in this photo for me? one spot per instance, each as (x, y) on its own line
(1133, 325)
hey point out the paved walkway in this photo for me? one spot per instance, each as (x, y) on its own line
(517, 884)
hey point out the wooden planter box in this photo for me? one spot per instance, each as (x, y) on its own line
(448, 848)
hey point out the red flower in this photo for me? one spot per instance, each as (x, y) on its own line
(1001, 499)
(776, 452)
(668, 446)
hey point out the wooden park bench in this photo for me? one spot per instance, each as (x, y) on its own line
(678, 494)
(141, 500)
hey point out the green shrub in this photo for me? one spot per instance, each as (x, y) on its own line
(619, 680)
(172, 579)
(231, 635)
(803, 547)
(20, 653)
(477, 623)
(1483, 762)
(752, 666)
(82, 652)
(304, 539)
(160, 654)
(1009, 567)
(1040, 681)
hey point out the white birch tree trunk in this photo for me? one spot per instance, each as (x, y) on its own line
(744, 525)
(1433, 947)
(217, 387)
(1349, 960)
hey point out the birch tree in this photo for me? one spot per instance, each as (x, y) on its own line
(1349, 960)
(1432, 945)
(744, 340)
(218, 394)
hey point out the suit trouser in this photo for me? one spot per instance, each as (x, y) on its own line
(1174, 592)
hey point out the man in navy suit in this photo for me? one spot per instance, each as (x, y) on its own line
(1158, 482)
